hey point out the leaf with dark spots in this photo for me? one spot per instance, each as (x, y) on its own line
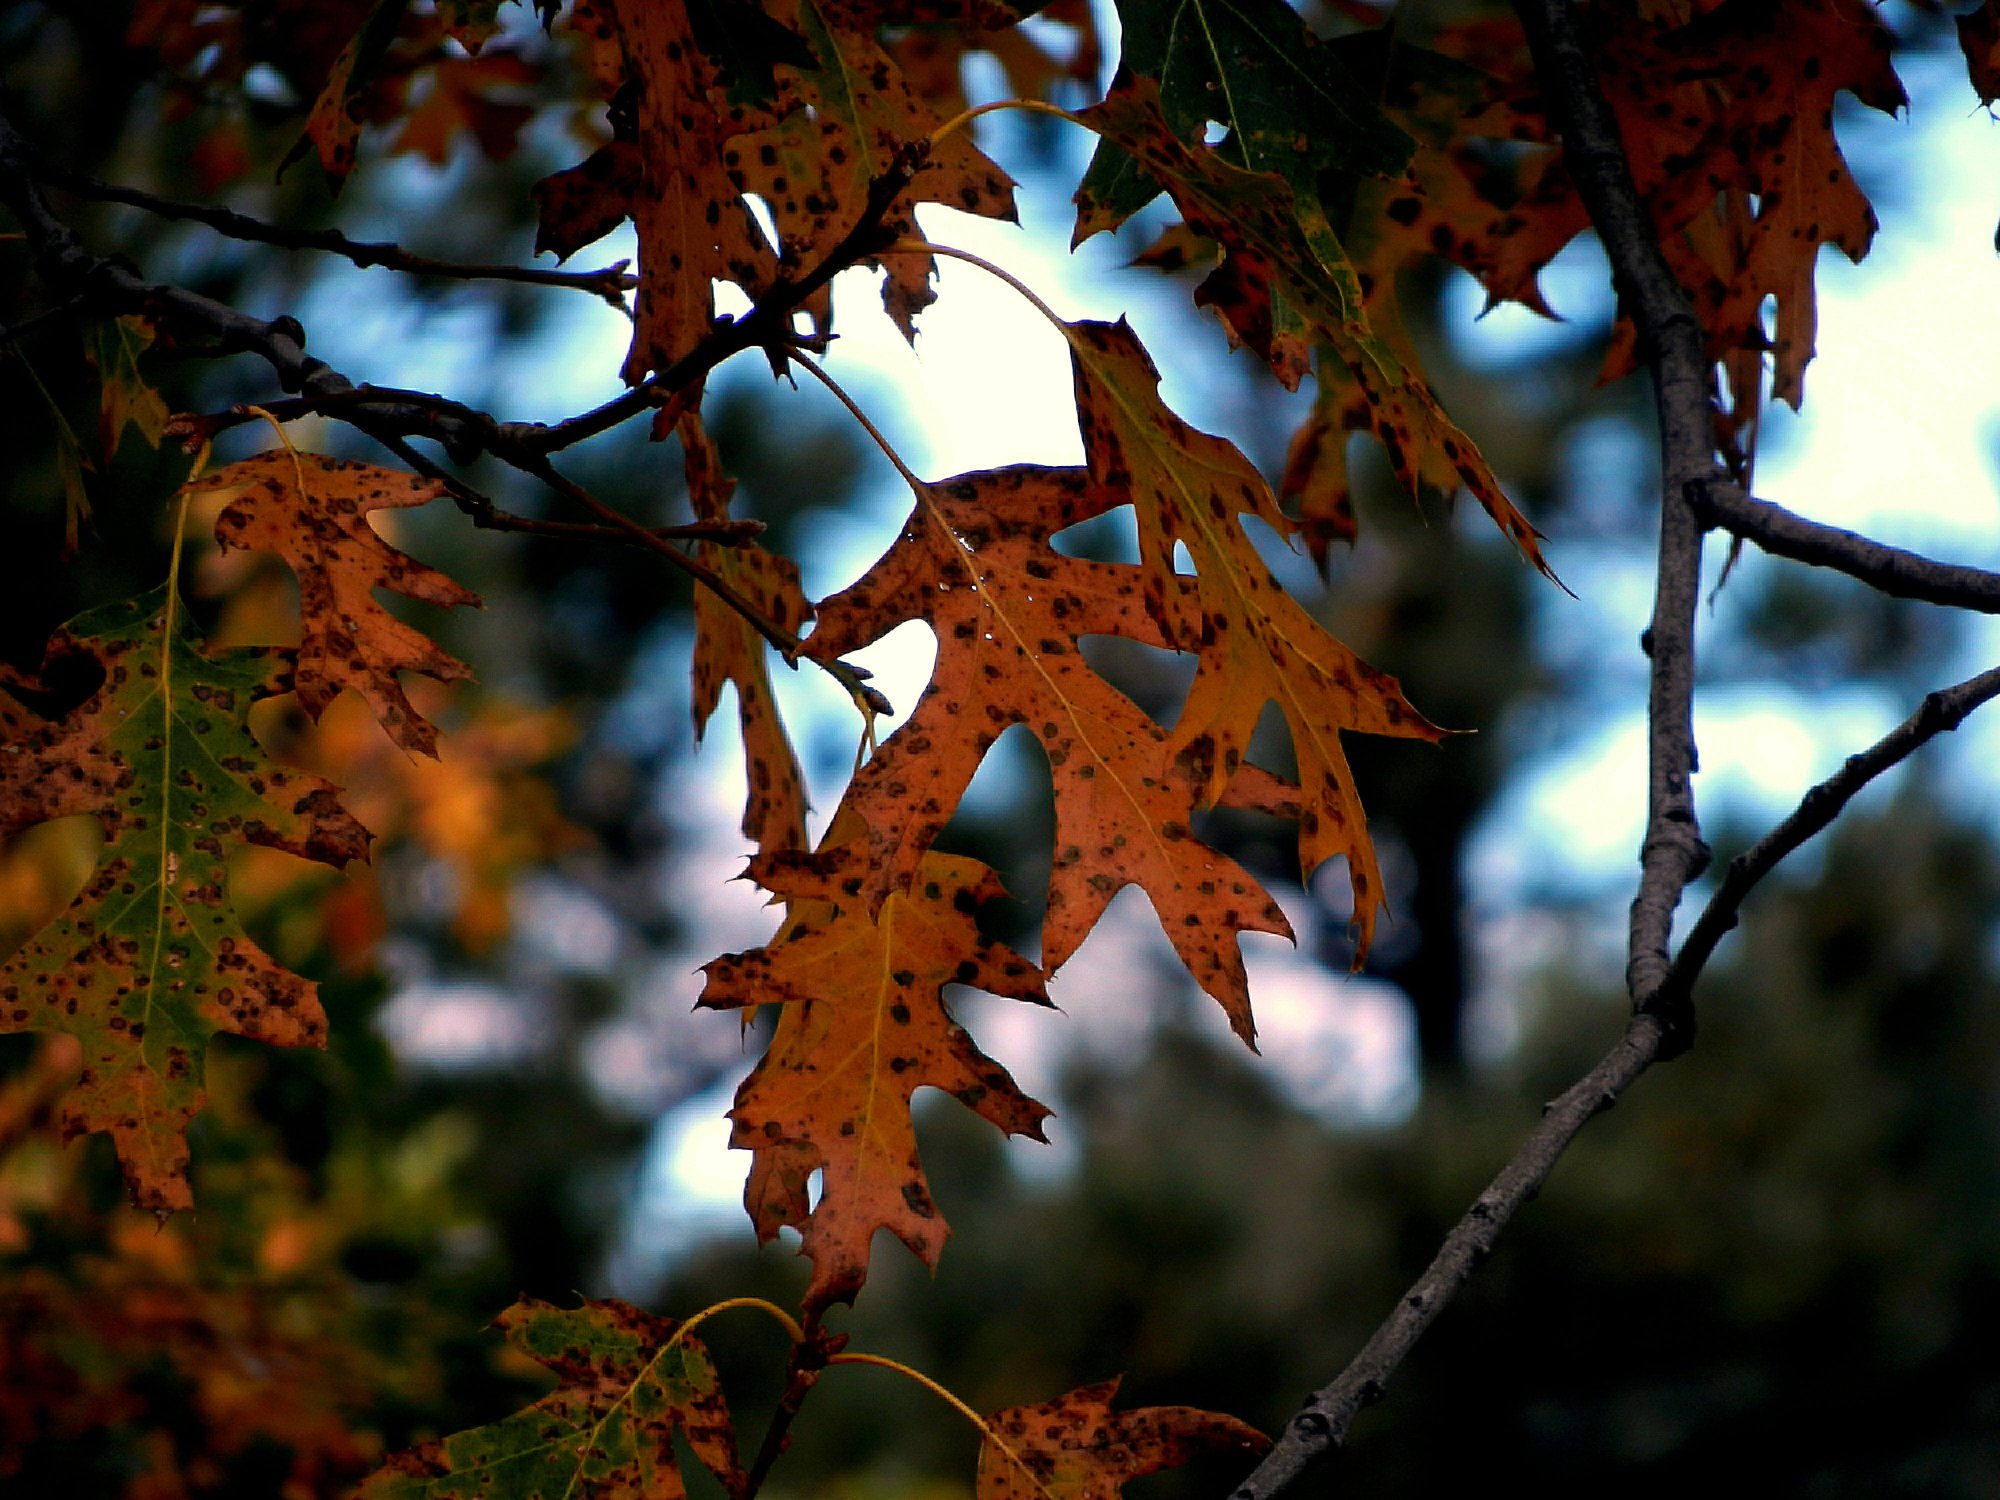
(150, 960)
(1728, 124)
(863, 1028)
(1282, 263)
(1255, 68)
(333, 129)
(849, 118)
(1115, 780)
(1257, 644)
(1077, 1448)
(729, 650)
(313, 512)
(746, 44)
(631, 1384)
(667, 175)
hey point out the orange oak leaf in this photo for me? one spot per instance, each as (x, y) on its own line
(664, 171)
(150, 959)
(1788, 63)
(848, 121)
(1010, 613)
(1734, 108)
(863, 1028)
(632, 1384)
(1077, 1448)
(1256, 642)
(333, 128)
(1447, 204)
(313, 512)
(1278, 266)
(728, 649)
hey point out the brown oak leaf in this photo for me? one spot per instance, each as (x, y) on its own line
(1010, 613)
(728, 649)
(863, 1028)
(313, 512)
(1077, 1448)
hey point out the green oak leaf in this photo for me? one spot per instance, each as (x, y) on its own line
(606, 1433)
(150, 960)
(1255, 68)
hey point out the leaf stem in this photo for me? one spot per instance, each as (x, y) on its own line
(728, 1304)
(958, 122)
(813, 368)
(958, 1405)
(930, 247)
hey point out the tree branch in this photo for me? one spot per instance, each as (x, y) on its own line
(608, 282)
(1673, 853)
(1940, 712)
(1323, 1422)
(389, 415)
(1886, 569)
(465, 432)
(767, 325)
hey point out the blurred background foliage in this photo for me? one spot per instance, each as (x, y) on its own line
(1776, 1267)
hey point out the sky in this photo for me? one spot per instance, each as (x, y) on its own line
(1898, 438)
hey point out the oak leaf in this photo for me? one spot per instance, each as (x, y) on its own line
(125, 397)
(631, 1384)
(728, 649)
(664, 170)
(1010, 613)
(1257, 644)
(333, 128)
(313, 512)
(849, 119)
(1077, 1448)
(484, 97)
(150, 960)
(1732, 111)
(863, 1028)
(1277, 266)
(1256, 69)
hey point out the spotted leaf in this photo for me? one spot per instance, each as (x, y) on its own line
(313, 512)
(631, 1384)
(864, 1027)
(1077, 1448)
(151, 960)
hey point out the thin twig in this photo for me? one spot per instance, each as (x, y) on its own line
(486, 514)
(1886, 569)
(1940, 712)
(1673, 854)
(1323, 1421)
(464, 431)
(608, 282)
